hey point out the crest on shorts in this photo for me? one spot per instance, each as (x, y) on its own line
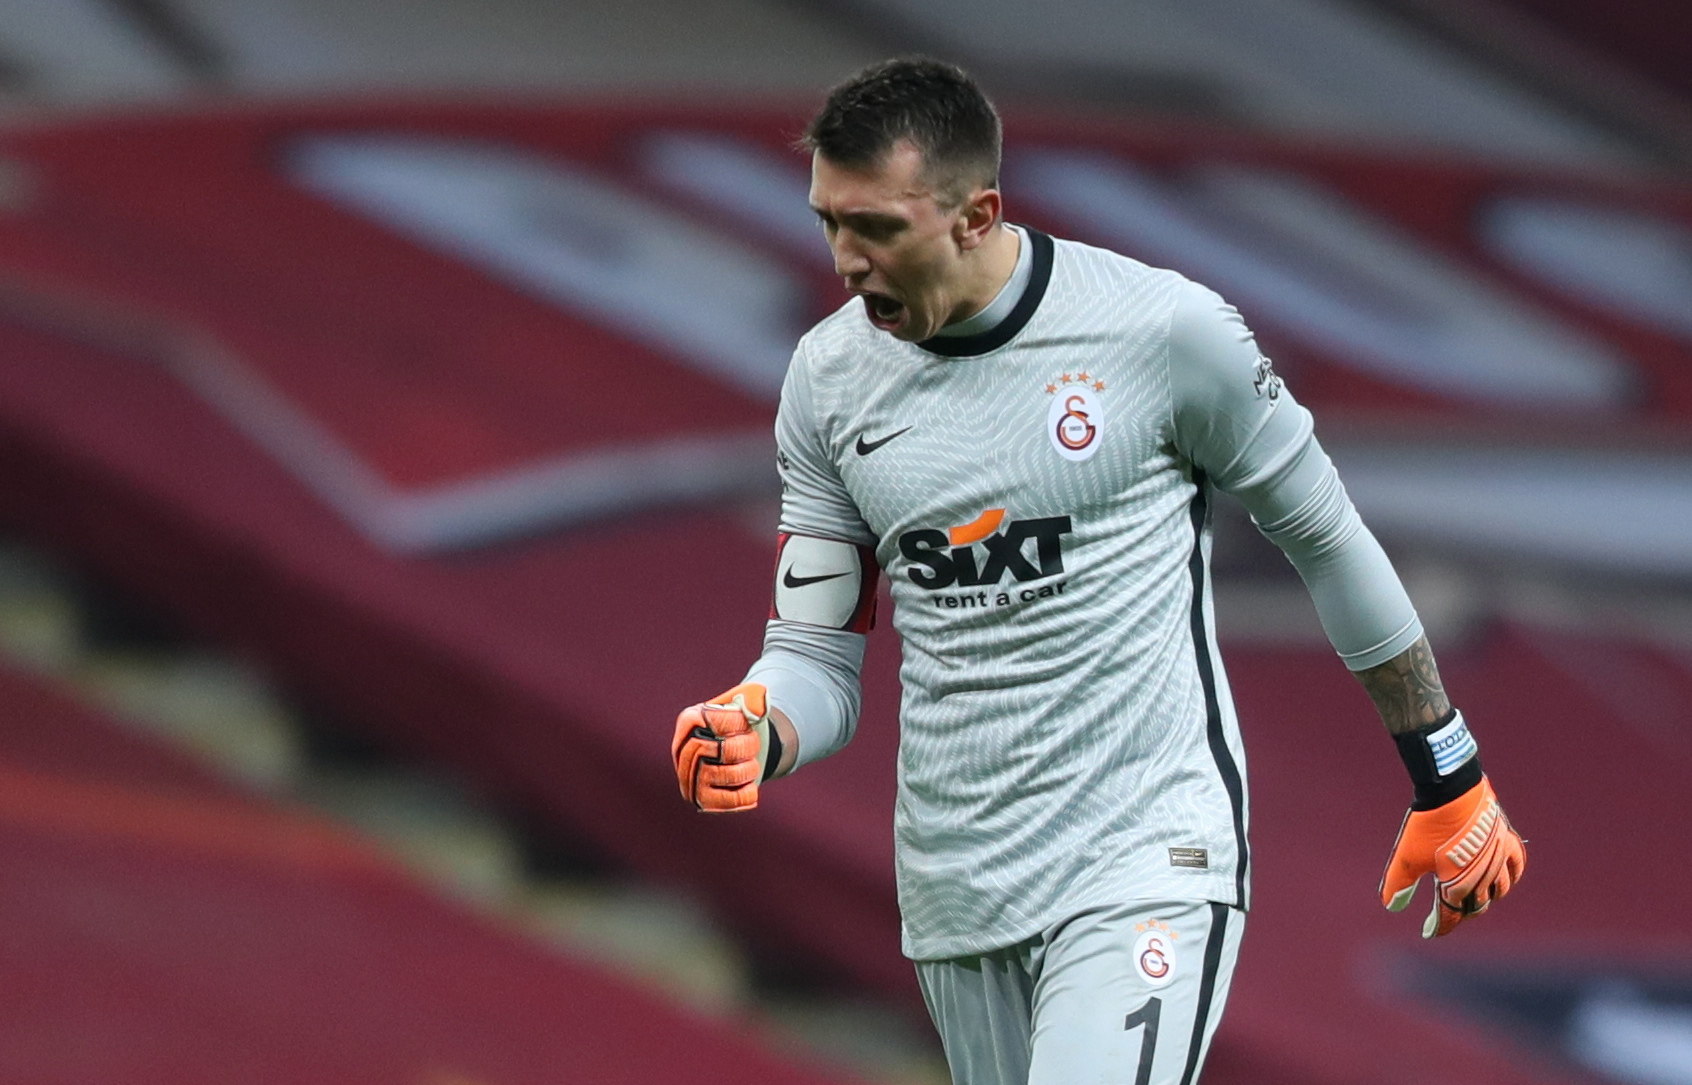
(1154, 952)
(1075, 419)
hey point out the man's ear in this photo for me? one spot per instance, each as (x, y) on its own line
(977, 217)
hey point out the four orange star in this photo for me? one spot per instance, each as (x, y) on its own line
(1076, 378)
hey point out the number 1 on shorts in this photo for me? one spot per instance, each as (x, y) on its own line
(1146, 1015)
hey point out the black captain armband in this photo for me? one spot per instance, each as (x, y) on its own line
(1442, 759)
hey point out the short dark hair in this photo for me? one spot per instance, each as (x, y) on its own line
(935, 105)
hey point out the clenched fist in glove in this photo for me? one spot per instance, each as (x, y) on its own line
(724, 748)
(1455, 830)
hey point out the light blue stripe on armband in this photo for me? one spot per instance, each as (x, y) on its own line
(1451, 746)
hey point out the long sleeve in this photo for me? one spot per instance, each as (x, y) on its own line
(1236, 421)
(813, 671)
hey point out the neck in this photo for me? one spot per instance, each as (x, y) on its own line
(995, 261)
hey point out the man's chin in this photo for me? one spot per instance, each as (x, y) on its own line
(910, 330)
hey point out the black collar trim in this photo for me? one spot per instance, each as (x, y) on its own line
(1039, 277)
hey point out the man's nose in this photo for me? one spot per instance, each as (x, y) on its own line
(849, 262)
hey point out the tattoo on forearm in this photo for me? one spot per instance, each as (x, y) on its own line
(1406, 689)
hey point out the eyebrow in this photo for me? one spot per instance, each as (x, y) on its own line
(877, 217)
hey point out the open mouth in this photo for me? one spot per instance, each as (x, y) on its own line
(883, 311)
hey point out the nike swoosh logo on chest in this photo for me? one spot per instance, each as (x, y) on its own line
(864, 447)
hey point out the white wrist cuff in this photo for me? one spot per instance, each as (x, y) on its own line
(1451, 746)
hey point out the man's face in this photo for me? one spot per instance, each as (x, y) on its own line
(894, 243)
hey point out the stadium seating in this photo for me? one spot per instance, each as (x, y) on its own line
(1643, 36)
(159, 925)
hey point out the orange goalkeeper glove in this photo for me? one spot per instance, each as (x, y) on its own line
(724, 748)
(1455, 830)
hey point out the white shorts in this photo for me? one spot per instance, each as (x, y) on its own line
(1123, 995)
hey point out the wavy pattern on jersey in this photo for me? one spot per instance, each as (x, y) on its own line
(1053, 729)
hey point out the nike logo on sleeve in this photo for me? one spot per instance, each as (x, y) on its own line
(788, 580)
(866, 447)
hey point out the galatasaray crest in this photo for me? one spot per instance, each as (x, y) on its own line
(1075, 418)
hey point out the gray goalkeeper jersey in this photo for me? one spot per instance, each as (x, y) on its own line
(1038, 496)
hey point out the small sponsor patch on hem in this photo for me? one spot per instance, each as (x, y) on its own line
(1195, 858)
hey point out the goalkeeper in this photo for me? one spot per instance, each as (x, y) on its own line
(1024, 434)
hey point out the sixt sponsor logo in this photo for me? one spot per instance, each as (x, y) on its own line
(985, 550)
